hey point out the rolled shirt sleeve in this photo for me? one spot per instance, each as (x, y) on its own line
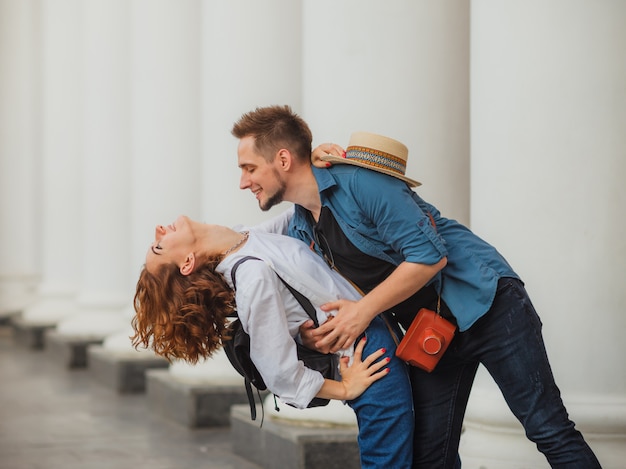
(389, 210)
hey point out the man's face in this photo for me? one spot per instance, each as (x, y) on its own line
(262, 178)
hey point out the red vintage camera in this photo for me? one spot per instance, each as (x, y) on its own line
(426, 340)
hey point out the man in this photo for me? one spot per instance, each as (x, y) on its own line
(366, 221)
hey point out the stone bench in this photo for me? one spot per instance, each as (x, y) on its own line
(124, 371)
(193, 402)
(297, 444)
(69, 350)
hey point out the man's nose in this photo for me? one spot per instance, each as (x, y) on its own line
(244, 182)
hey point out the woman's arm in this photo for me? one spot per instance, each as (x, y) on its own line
(278, 224)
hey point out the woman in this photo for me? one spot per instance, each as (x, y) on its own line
(184, 295)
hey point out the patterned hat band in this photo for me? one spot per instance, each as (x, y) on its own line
(376, 153)
(376, 158)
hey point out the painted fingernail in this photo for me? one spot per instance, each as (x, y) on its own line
(388, 359)
(328, 165)
(343, 155)
(387, 370)
(383, 350)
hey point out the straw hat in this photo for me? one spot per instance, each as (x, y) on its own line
(376, 152)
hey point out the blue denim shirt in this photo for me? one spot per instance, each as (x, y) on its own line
(384, 218)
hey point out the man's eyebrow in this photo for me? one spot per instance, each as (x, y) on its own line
(156, 253)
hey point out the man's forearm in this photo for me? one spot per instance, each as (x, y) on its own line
(407, 279)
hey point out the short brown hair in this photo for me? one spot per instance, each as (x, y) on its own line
(273, 128)
(182, 316)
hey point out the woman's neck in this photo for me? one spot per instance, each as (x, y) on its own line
(243, 237)
(213, 240)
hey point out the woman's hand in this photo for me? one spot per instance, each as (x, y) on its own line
(323, 150)
(311, 340)
(359, 376)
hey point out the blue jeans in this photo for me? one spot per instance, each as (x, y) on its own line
(508, 342)
(385, 410)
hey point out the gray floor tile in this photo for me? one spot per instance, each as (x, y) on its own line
(54, 418)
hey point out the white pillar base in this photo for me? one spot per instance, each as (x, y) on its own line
(336, 413)
(16, 294)
(50, 309)
(92, 324)
(216, 370)
(119, 341)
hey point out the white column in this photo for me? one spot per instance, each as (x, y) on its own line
(61, 168)
(19, 145)
(257, 68)
(548, 167)
(165, 57)
(104, 288)
(260, 67)
(165, 45)
(399, 69)
(251, 58)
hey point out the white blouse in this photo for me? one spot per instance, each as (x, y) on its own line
(271, 315)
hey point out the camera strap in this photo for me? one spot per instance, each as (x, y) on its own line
(432, 221)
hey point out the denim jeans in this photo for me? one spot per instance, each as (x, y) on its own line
(508, 342)
(385, 410)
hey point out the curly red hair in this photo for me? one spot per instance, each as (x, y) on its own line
(182, 316)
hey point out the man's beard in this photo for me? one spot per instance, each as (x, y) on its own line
(275, 198)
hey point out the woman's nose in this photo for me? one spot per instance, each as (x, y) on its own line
(159, 231)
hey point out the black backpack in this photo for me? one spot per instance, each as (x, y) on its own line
(238, 350)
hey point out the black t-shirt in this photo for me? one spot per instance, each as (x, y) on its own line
(364, 270)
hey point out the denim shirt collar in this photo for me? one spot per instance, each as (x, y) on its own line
(301, 222)
(324, 179)
(301, 225)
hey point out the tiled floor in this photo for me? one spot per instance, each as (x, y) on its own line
(55, 418)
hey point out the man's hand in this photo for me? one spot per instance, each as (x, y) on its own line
(353, 317)
(344, 329)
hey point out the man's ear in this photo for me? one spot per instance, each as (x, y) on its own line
(189, 264)
(284, 159)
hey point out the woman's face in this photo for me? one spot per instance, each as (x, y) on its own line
(172, 244)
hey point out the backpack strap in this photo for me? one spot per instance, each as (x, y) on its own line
(306, 305)
(303, 300)
(237, 264)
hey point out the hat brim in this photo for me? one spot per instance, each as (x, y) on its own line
(338, 160)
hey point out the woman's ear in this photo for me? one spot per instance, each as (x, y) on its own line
(188, 264)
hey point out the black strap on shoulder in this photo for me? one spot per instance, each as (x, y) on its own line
(237, 264)
(303, 300)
